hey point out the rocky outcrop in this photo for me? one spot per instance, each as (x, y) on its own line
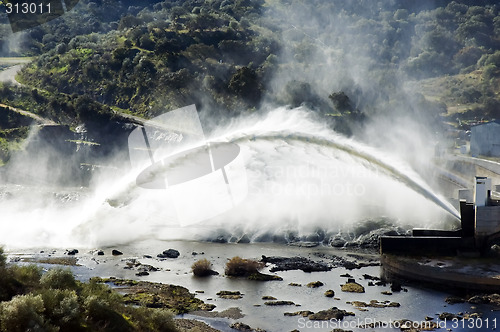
(295, 263)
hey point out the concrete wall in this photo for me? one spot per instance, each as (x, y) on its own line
(487, 220)
(485, 140)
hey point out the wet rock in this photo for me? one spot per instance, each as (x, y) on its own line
(142, 273)
(386, 293)
(313, 238)
(329, 293)
(337, 242)
(232, 295)
(332, 313)
(267, 297)
(264, 277)
(375, 304)
(479, 299)
(244, 327)
(170, 253)
(265, 237)
(278, 303)
(304, 244)
(294, 284)
(148, 268)
(155, 295)
(295, 263)
(243, 239)
(241, 327)
(220, 239)
(100, 253)
(352, 287)
(396, 287)
(72, 252)
(115, 252)
(369, 277)
(454, 299)
(315, 284)
(494, 299)
(346, 275)
(448, 316)
(304, 313)
(207, 306)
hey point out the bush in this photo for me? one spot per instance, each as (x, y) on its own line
(240, 267)
(202, 268)
(22, 313)
(103, 292)
(28, 275)
(147, 319)
(58, 278)
(62, 308)
(2, 258)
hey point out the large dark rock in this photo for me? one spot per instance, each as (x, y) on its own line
(170, 253)
(332, 313)
(295, 263)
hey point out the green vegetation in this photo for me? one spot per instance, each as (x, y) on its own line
(346, 60)
(55, 301)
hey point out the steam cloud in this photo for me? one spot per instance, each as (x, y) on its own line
(294, 186)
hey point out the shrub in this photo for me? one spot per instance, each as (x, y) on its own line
(102, 292)
(148, 319)
(2, 258)
(240, 267)
(58, 278)
(99, 313)
(28, 275)
(202, 268)
(62, 308)
(22, 313)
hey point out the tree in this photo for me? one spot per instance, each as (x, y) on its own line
(341, 102)
(246, 84)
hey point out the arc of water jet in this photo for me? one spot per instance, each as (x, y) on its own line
(393, 172)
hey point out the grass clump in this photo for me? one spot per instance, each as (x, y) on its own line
(202, 268)
(241, 267)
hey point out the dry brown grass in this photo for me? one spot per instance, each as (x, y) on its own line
(241, 267)
(202, 268)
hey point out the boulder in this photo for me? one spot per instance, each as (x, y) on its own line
(332, 313)
(170, 253)
(352, 287)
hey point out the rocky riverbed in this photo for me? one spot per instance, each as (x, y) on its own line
(321, 288)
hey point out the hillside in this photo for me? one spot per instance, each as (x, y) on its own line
(349, 61)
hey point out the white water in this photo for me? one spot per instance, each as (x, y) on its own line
(301, 176)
